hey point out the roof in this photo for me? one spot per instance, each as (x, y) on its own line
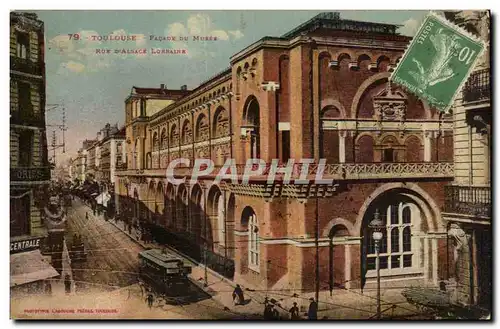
(166, 260)
(30, 266)
(159, 91)
(332, 21)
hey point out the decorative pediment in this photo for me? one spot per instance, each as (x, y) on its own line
(389, 105)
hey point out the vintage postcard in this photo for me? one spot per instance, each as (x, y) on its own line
(250, 165)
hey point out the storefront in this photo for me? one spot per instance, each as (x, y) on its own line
(30, 271)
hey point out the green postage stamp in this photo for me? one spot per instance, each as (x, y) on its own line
(438, 61)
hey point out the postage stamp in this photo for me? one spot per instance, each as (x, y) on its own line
(438, 61)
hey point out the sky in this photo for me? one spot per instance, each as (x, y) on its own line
(92, 87)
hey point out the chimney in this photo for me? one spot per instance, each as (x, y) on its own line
(184, 87)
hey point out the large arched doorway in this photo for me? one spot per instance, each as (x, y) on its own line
(336, 257)
(215, 211)
(137, 206)
(182, 208)
(196, 207)
(170, 209)
(402, 244)
(159, 215)
(150, 202)
(249, 219)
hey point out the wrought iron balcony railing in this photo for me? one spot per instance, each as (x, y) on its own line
(26, 117)
(468, 200)
(25, 65)
(340, 171)
(477, 87)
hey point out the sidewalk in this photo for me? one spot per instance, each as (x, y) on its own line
(343, 304)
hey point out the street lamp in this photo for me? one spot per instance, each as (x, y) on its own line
(376, 225)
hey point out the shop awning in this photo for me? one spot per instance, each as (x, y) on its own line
(29, 266)
(103, 199)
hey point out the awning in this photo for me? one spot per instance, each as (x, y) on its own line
(103, 199)
(30, 266)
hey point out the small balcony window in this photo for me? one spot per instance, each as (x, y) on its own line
(23, 42)
(388, 155)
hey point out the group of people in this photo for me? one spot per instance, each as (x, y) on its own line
(270, 311)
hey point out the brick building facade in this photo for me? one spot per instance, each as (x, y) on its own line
(319, 91)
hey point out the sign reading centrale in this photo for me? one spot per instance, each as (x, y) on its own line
(25, 245)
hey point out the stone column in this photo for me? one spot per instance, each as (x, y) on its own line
(427, 146)
(342, 136)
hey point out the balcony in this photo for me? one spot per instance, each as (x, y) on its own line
(29, 174)
(477, 88)
(25, 66)
(26, 117)
(468, 200)
(340, 171)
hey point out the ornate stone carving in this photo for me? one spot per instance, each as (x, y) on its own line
(461, 238)
(390, 106)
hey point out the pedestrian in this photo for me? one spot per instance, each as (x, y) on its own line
(87, 215)
(67, 284)
(312, 314)
(274, 312)
(294, 312)
(48, 289)
(268, 313)
(141, 285)
(150, 299)
(238, 298)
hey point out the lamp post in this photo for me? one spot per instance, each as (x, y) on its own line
(376, 225)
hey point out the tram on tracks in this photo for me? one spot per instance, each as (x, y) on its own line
(164, 272)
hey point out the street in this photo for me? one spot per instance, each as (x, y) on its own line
(111, 265)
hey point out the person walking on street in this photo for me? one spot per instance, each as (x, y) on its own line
(48, 289)
(67, 284)
(150, 300)
(294, 312)
(312, 314)
(274, 313)
(87, 215)
(267, 310)
(238, 297)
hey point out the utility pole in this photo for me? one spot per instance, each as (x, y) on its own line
(54, 144)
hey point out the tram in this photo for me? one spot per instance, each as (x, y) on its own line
(164, 272)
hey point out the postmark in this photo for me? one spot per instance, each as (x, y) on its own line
(438, 61)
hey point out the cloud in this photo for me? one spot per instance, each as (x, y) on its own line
(61, 44)
(410, 27)
(73, 66)
(220, 34)
(202, 26)
(236, 34)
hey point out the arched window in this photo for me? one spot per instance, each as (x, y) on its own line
(397, 252)
(187, 134)
(201, 132)
(155, 142)
(221, 221)
(253, 242)
(163, 139)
